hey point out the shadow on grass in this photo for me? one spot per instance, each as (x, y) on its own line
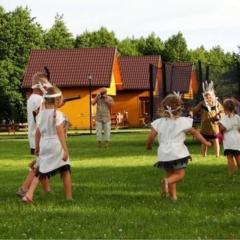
(134, 182)
(121, 201)
(85, 147)
(82, 148)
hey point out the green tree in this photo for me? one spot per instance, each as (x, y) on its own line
(100, 38)
(152, 45)
(128, 47)
(222, 71)
(18, 35)
(198, 54)
(176, 49)
(58, 36)
(12, 102)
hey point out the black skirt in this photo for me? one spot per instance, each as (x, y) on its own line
(175, 164)
(209, 137)
(231, 152)
(60, 170)
(32, 151)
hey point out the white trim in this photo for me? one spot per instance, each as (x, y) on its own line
(38, 85)
(35, 86)
(53, 95)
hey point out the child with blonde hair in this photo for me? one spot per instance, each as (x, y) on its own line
(173, 155)
(230, 126)
(51, 147)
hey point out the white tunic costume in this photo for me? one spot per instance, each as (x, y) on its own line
(51, 151)
(171, 137)
(33, 103)
(231, 140)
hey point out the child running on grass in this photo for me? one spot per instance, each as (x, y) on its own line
(230, 126)
(173, 155)
(51, 147)
(39, 85)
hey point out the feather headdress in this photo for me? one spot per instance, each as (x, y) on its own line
(208, 89)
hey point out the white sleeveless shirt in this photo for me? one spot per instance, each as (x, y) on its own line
(33, 103)
(231, 138)
(51, 151)
(171, 137)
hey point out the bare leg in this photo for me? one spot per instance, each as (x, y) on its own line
(230, 164)
(67, 184)
(216, 147)
(27, 182)
(175, 177)
(204, 150)
(32, 188)
(238, 163)
(170, 185)
(45, 184)
(174, 191)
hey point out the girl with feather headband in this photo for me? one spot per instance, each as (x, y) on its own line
(51, 147)
(173, 155)
(210, 112)
(40, 84)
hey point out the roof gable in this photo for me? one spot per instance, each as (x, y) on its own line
(135, 71)
(178, 76)
(71, 67)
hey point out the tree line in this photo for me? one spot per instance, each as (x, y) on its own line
(19, 33)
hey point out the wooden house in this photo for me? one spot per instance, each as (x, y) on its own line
(181, 77)
(77, 72)
(83, 71)
(133, 96)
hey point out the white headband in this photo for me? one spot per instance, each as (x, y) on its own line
(38, 85)
(170, 111)
(53, 95)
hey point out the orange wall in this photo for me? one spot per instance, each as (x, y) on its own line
(116, 73)
(129, 101)
(77, 111)
(194, 82)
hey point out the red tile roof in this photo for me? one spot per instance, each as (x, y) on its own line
(71, 67)
(135, 71)
(178, 76)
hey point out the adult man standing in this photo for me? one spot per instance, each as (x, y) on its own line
(103, 116)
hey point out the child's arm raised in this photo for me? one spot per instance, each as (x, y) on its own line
(150, 139)
(196, 134)
(61, 136)
(196, 109)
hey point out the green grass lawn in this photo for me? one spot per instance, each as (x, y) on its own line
(116, 194)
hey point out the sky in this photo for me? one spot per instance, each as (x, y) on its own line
(202, 22)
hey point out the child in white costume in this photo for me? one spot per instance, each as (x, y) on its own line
(173, 155)
(230, 126)
(51, 147)
(34, 103)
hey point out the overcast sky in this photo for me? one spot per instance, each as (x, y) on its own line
(202, 22)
